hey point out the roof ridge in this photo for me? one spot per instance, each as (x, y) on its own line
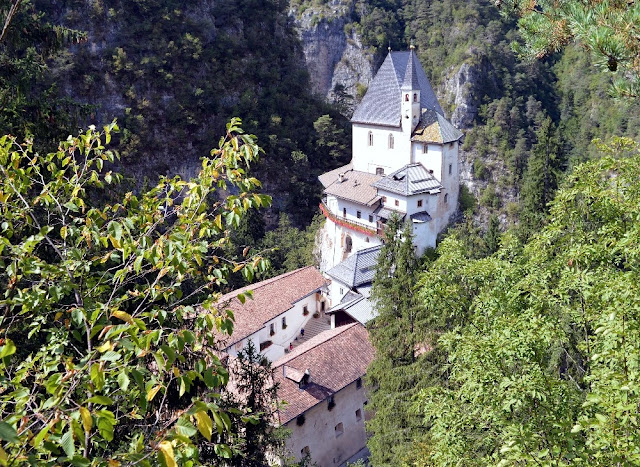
(261, 284)
(339, 331)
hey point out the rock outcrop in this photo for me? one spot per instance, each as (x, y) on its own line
(333, 52)
(466, 88)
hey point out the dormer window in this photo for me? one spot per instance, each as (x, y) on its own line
(406, 98)
(379, 171)
(390, 141)
(370, 138)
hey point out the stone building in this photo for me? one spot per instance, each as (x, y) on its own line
(280, 308)
(321, 381)
(405, 160)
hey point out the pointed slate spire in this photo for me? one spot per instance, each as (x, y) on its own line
(410, 75)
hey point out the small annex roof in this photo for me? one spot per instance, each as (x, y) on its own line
(357, 269)
(386, 213)
(359, 308)
(434, 128)
(412, 179)
(334, 359)
(381, 105)
(419, 217)
(351, 185)
(271, 298)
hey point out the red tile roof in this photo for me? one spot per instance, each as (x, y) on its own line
(270, 299)
(335, 359)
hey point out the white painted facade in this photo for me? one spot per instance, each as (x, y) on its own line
(331, 437)
(383, 149)
(284, 332)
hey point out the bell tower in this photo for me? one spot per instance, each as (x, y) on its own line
(410, 94)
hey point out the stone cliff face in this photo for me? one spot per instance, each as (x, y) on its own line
(465, 88)
(333, 52)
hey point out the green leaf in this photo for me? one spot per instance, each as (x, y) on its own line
(66, 442)
(123, 381)
(8, 433)
(7, 349)
(102, 400)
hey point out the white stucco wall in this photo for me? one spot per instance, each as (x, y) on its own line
(333, 247)
(318, 432)
(367, 158)
(431, 160)
(352, 211)
(295, 320)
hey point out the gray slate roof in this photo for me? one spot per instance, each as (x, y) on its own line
(355, 186)
(422, 216)
(434, 128)
(386, 213)
(357, 269)
(412, 179)
(360, 308)
(382, 104)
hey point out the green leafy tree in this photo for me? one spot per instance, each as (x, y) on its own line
(540, 339)
(108, 323)
(29, 101)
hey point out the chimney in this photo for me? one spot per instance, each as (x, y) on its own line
(340, 178)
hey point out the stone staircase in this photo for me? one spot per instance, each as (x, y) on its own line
(312, 328)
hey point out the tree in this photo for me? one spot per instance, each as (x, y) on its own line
(397, 370)
(540, 339)
(254, 394)
(29, 102)
(609, 29)
(108, 323)
(541, 178)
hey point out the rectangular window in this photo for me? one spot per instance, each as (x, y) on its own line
(341, 290)
(272, 329)
(344, 212)
(284, 322)
(331, 403)
(419, 203)
(358, 415)
(370, 218)
(449, 169)
(358, 383)
(384, 199)
(339, 429)
(397, 203)
(358, 214)
(425, 148)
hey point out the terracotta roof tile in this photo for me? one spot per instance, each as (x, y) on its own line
(335, 359)
(271, 298)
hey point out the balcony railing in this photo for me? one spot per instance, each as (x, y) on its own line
(354, 225)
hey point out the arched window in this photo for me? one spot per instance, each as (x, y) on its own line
(390, 141)
(415, 97)
(406, 97)
(446, 198)
(370, 138)
(348, 244)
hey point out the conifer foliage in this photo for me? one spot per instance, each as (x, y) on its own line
(397, 371)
